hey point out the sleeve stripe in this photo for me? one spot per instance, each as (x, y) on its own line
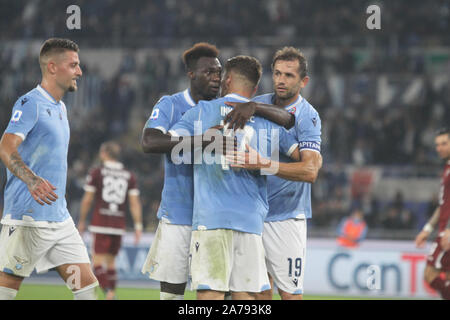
(173, 133)
(20, 134)
(162, 129)
(291, 149)
(304, 149)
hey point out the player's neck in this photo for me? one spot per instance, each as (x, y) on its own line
(53, 89)
(285, 102)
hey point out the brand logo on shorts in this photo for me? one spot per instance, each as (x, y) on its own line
(20, 262)
(196, 246)
(295, 281)
(11, 230)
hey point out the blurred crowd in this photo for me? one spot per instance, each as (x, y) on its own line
(356, 131)
(113, 21)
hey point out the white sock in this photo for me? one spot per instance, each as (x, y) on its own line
(86, 293)
(7, 293)
(170, 296)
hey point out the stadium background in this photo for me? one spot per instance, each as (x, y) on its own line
(381, 94)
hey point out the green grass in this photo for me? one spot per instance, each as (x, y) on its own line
(61, 292)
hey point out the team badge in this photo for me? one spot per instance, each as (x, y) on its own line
(155, 114)
(20, 262)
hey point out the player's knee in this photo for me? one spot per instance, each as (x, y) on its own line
(87, 292)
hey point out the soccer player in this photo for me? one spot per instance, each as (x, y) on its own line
(38, 231)
(111, 186)
(289, 192)
(439, 258)
(168, 257)
(230, 206)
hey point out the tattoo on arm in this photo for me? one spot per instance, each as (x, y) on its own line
(21, 170)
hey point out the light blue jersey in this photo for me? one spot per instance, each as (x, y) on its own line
(42, 124)
(292, 199)
(178, 191)
(229, 198)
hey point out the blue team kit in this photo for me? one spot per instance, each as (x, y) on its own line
(42, 124)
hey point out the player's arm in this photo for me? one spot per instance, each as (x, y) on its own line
(155, 141)
(40, 189)
(243, 111)
(134, 202)
(423, 235)
(306, 170)
(85, 206)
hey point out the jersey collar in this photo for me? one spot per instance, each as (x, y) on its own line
(46, 94)
(237, 97)
(188, 98)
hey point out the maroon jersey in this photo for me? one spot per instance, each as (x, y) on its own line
(112, 184)
(444, 198)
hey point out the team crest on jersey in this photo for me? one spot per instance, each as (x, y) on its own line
(155, 114)
(292, 110)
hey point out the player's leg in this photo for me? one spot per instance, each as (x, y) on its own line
(438, 261)
(266, 294)
(9, 286)
(211, 263)
(210, 295)
(100, 245)
(111, 274)
(168, 259)
(69, 257)
(248, 273)
(20, 250)
(80, 278)
(285, 246)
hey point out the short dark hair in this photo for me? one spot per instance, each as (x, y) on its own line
(246, 66)
(201, 49)
(112, 148)
(57, 45)
(292, 54)
(441, 131)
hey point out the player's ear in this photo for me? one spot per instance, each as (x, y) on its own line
(51, 67)
(191, 75)
(305, 81)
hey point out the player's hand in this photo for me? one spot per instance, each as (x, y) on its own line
(421, 239)
(445, 240)
(81, 227)
(222, 143)
(241, 113)
(137, 236)
(250, 159)
(42, 191)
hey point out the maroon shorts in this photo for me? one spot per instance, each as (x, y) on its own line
(438, 258)
(106, 243)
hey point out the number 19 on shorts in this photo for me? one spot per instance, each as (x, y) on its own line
(295, 266)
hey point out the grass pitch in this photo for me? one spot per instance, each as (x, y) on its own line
(61, 292)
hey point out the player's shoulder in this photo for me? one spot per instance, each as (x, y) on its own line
(29, 99)
(307, 108)
(264, 98)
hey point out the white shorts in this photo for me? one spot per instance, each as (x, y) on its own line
(168, 257)
(285, 246)
(225, 260)
(24, 248)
